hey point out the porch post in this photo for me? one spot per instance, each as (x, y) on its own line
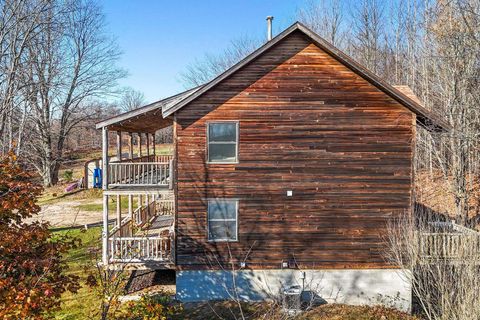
(153, 144)
(139, 140)
(104, 158)
(119, 213)
(105, 197)
(130, 214)
(130, 136)
(119, 199)
(119, 145)
(148, 144)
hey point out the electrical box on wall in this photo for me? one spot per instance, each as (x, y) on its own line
(289, 193)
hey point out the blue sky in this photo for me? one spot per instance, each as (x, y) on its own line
(160, 38)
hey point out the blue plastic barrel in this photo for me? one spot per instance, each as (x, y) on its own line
(97, 178)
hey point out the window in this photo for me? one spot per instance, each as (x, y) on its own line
(222, 220)
(222, 139)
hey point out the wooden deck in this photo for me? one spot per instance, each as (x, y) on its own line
(144, 236)
(147, 171)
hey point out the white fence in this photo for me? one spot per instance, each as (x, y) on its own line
(140, 173)
(137, 249)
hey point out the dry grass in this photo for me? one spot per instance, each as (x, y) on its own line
(264, 311)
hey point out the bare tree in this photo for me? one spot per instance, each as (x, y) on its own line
(19, 24)
(203, 70)
(71, 63)
(131, 99)
(368, 24)
(325, 17)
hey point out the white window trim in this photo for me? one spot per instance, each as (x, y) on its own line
(208, 219)
(237, 128)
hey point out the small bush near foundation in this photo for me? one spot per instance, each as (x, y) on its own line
(157, 307)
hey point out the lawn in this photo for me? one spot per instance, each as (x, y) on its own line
(112, 207)
(80, 305)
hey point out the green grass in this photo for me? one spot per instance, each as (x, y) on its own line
(91, 207)
(80, 305)
(56, 194)
(112, 207)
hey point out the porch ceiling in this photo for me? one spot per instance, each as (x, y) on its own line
(147, 121)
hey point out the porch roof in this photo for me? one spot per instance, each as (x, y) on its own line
(146, 119)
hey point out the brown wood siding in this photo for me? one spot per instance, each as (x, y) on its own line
(310, 125)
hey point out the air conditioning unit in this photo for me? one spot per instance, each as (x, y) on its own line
(292, 303)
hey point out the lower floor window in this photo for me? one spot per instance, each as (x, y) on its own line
(222, 220)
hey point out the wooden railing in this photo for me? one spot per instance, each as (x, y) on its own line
(137, 249)
(159, 207)
(140, 173)
(141, 216)
(125, 229)
(450, 245)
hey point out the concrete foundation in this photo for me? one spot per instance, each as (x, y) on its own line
(388, 287)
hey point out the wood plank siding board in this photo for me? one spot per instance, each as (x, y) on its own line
(309, 124)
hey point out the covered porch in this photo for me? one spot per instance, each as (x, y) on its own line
(138, 184)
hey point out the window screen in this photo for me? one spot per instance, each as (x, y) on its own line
(222, 142)
(222, 220)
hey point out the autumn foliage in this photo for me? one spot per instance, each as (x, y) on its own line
(32, 270)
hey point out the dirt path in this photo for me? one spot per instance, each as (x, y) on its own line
(67, 213)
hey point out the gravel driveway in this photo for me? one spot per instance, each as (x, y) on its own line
(67, 214)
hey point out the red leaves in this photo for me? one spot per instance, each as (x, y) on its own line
(18, 194)
(32, 270)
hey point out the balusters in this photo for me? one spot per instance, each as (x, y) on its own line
(131, 249)
(143, 173)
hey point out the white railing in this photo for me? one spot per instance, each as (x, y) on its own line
(140, 173)
(138, 249)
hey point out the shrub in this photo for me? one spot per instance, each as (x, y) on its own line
(68, 175)
(32, 269)
(159, 306)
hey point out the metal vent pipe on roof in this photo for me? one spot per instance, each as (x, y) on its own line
(269, 27)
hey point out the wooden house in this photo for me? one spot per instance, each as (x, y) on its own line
(285, 169)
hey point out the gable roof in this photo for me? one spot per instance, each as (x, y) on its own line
(172, 104)
(423, 115)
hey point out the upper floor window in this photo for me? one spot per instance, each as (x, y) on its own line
(222, 140)
(222, 220)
